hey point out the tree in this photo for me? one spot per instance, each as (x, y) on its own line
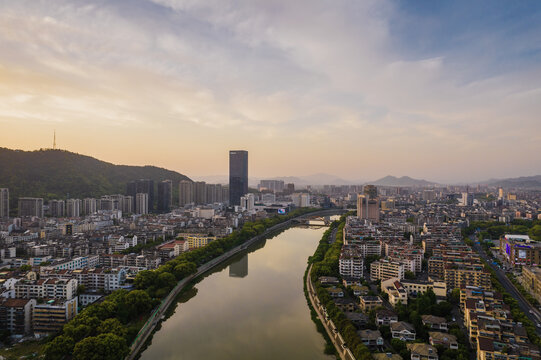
(455, 296)
(535, 232)
(113, 326)
(185, 268)
(25, 268)
(59, 347)
(409, 275)
(101, 347)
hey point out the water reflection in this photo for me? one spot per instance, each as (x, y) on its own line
(262, 316)
(240, 268)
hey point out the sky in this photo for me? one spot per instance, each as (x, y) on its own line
(448, 91)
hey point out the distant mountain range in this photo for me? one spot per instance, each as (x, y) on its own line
(299, 181)
(55, 173)
(323, 179)
(523, 182)
(390, 180)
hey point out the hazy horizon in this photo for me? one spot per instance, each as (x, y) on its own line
(442, 91)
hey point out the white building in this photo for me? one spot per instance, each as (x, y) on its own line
(141, 203)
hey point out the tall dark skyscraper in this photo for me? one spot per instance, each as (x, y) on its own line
(165, 195)
(142, 186)
(238, 175)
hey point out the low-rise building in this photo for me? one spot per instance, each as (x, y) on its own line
(385, 269)
(403, 331)
(434, 322)
(50, 316)
(371, 338)
(368, 303)
(396, 292)
(16, 316)
(444, 339)
(422, 351)
(385, 317)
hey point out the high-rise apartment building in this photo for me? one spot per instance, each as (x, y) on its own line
(211, 193)
(4, 203)
(429, 195)
(200, 192)
(467, 199)
(238, 175)
(219, 193)
(247, 202)
(142, 186)
(185, 192)
(141, 203)
(73, 207)
(89, 206)
(127, 205)
(165, 195)
(368, 208)
(57, 208)
(30, 207)
(272, 185)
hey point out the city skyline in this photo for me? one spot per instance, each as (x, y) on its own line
(359, 89)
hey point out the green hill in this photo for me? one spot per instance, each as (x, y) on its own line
(52, 174)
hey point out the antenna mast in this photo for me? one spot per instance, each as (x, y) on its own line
(54, 140)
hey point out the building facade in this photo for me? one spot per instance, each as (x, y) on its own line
(238, 175)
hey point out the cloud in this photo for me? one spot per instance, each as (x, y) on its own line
(293, 73)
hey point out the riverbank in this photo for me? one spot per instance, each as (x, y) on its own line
(155, 318)
(249, 307)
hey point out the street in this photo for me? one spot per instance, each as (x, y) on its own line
(530, 311)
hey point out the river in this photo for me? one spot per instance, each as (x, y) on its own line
(253, 308)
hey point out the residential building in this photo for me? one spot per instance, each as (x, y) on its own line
(186, 192)
(396, 292)
(73, 207)
(90, 206)
(371, 338)
(351, 263)
(57, 208)
(422, 351)
(385, 317)
(531, 280)
(16, 315)
(141, 203)
(142, 186)
(368, 303)
(275, 186)
(52, 288)
(384, 269)
(456, 275)
(50, 316)
(165, 195)
(403, 331)
(335, 292)
(4, 203)
(434, 322)
(415, 287)
(444, 339)
(200, 193)
(30, 207)
(368, 208)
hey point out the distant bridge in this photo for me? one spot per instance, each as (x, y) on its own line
(316, 220)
